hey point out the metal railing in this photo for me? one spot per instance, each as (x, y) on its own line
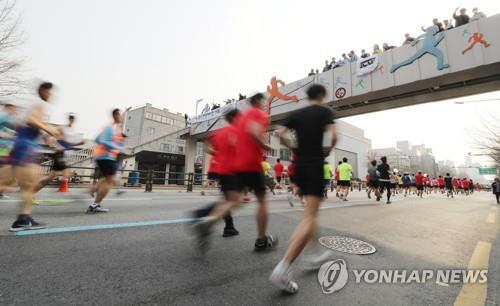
(142, 178)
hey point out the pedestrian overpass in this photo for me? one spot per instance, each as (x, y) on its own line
(459, 62)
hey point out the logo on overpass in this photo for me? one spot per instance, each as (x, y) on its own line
(274, 92)
(340, 93)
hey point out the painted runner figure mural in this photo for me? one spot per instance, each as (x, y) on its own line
(274, 92)
(431, 39)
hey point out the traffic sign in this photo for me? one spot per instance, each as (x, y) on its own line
(488, 171)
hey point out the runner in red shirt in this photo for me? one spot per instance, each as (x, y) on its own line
(278, 172)
(465, 186)
(250, 146)
(218, 145)
(419, 180)
(441, 183)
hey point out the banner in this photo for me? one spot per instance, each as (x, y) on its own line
(366, 65)
(213, 114)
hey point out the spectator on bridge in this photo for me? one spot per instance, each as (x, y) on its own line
(376, 49)
(447, 24)
(387, 47)
(241, 97)
(317, 71)
(327, 66)
(344, 60)
(311, 73)
(436, 23)
(462, 18)
(333, 63)
(364, 54)
(477, 14)
(408, 39)
(353, 57)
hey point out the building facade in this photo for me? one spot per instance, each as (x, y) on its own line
(407, 158)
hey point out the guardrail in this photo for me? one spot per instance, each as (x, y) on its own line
(146, 178)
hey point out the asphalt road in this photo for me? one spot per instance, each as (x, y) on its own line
(141, 252)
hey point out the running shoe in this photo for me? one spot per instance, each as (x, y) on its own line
(4, 197)
(265, 244)
(96, 209)
(388, 202)
(119, 192)
(246, 200)
(26, 222)
(228, 232)
(283, 279)
(290, 200)
(35, 202)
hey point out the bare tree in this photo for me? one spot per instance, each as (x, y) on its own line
(10, 38)
(489, 140)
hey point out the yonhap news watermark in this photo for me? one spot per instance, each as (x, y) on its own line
(333, 275)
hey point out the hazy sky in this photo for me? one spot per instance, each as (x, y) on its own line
(118, 53)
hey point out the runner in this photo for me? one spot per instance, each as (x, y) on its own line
(337, 180)
(373, 179)
(250, 145)
(456, 185)
(68, 141)
(400, 183)
(465, 186)
(345, 172)
(221, 152)
(268, 178)
(441, 184)
(291, 175)
(419, 181)
(278, 172)
(407, 184)
(109, 145)
(25, 159)
(413, 183)
(310, 124)
(7, 137)
(495, 188)
(448, 181)
(384, 171)
(327, 176)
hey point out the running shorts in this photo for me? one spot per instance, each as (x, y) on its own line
(345, 183)
(373, 183)
(252, 180)
(228, 183)
(420, 187)
(309, 176)
(107, 167)
(59, 163)
(278, 179)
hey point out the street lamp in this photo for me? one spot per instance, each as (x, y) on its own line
(197, 102)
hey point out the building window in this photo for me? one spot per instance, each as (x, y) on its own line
(149, 115)
(157, 117)
(151, 131)
(163, 119)
(273, 152)
(166, 147)
(180, 149)
(285, 154)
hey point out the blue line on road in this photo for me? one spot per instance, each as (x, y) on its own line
(83, 228)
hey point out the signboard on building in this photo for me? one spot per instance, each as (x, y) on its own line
(213, 114)
(488, 171)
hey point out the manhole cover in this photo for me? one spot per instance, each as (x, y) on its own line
(347, 245)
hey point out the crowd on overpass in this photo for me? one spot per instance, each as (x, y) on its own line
(459, 18)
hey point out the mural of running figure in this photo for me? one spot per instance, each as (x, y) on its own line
(275, 93)
(431, 39)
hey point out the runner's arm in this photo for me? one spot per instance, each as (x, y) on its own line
(282, 131)
(256, 131)
(35, 119)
